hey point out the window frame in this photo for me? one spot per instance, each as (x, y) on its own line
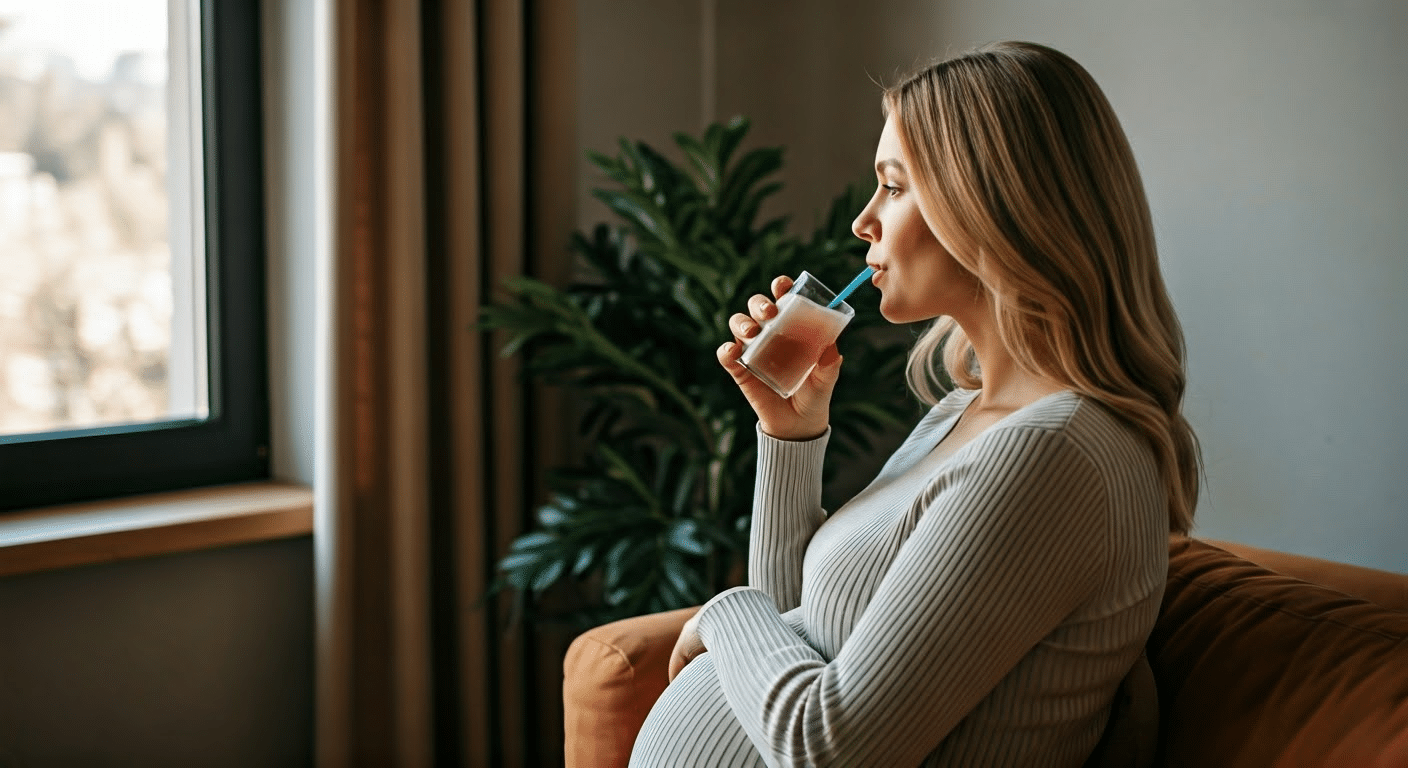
(232, 444)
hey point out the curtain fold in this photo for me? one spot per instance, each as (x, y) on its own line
(441, 115)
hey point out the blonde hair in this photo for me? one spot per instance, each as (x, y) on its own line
(1025, 175)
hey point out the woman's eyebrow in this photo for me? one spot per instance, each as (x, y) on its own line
(883, 164)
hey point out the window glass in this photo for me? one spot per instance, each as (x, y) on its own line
(102, 308)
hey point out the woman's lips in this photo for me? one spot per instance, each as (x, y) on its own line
(875, 278)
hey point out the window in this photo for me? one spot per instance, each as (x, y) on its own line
(132, 348)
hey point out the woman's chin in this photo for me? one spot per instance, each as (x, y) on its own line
(895, 314)
(901, 316)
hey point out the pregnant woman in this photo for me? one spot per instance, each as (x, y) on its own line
(979, 602)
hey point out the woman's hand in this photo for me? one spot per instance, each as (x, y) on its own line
(808, 412)
(687, 646)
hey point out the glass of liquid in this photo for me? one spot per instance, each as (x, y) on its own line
(789, 345)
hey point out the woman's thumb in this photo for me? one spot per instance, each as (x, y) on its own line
(828, 369)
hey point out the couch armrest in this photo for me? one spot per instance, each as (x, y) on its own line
(612, 676)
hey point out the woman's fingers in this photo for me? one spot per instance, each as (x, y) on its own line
(687, 646)
(729, 353)
(759, 395)
(743, 326)
(761, 308)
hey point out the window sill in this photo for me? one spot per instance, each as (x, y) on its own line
(153, 524)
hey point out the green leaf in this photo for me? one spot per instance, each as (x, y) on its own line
(683, 491)
(754, 166)
(674, 589)
(747, 211)
(613, 167)
(522, 561)
(619, 469)
(729, 136)
(550, 515)
(616, 561)
(706, 165)
(682, 294)
(585, 557)
(640, 211)
(531, 541)
(685, 536)
(548, 576)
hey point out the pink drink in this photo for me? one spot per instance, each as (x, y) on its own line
(787, 349)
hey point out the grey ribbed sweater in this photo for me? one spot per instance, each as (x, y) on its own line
(978, 609)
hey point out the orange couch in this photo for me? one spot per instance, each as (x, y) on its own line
(1259, 658)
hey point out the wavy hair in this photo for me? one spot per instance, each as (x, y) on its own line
(1026, 177)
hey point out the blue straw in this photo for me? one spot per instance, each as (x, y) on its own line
(848, 290)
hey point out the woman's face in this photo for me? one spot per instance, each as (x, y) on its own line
(917, 277)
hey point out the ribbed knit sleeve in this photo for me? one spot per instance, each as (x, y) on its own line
(786, 512)
(1011, 537)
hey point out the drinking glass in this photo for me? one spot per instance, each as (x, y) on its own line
(789, 345)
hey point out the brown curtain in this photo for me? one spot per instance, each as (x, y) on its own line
(451, 137)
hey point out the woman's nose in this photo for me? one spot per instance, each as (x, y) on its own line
(865, 226)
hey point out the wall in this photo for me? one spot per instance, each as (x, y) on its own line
(194, 659)
(289, 200)
(639, 65)
(647, 70)
(1268, 133)
(204, 658)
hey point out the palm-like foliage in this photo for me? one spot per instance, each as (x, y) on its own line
(657, 515)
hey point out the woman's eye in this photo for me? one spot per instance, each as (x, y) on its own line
(893, 190)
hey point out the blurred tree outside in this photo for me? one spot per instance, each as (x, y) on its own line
(86, 294)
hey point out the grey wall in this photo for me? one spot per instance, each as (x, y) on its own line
(1269, 135)
(798, 69)
(194, 659)
(639, 66)
(289, 200)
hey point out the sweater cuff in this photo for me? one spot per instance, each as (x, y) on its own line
(818, 441)
(729, 606)
(795, 464)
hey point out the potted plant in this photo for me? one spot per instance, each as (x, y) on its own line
(657, 514)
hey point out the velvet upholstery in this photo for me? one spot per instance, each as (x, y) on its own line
(1258, 668)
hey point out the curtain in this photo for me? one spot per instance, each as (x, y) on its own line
(443, 117)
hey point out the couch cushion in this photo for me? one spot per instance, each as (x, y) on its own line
(1255, 668)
